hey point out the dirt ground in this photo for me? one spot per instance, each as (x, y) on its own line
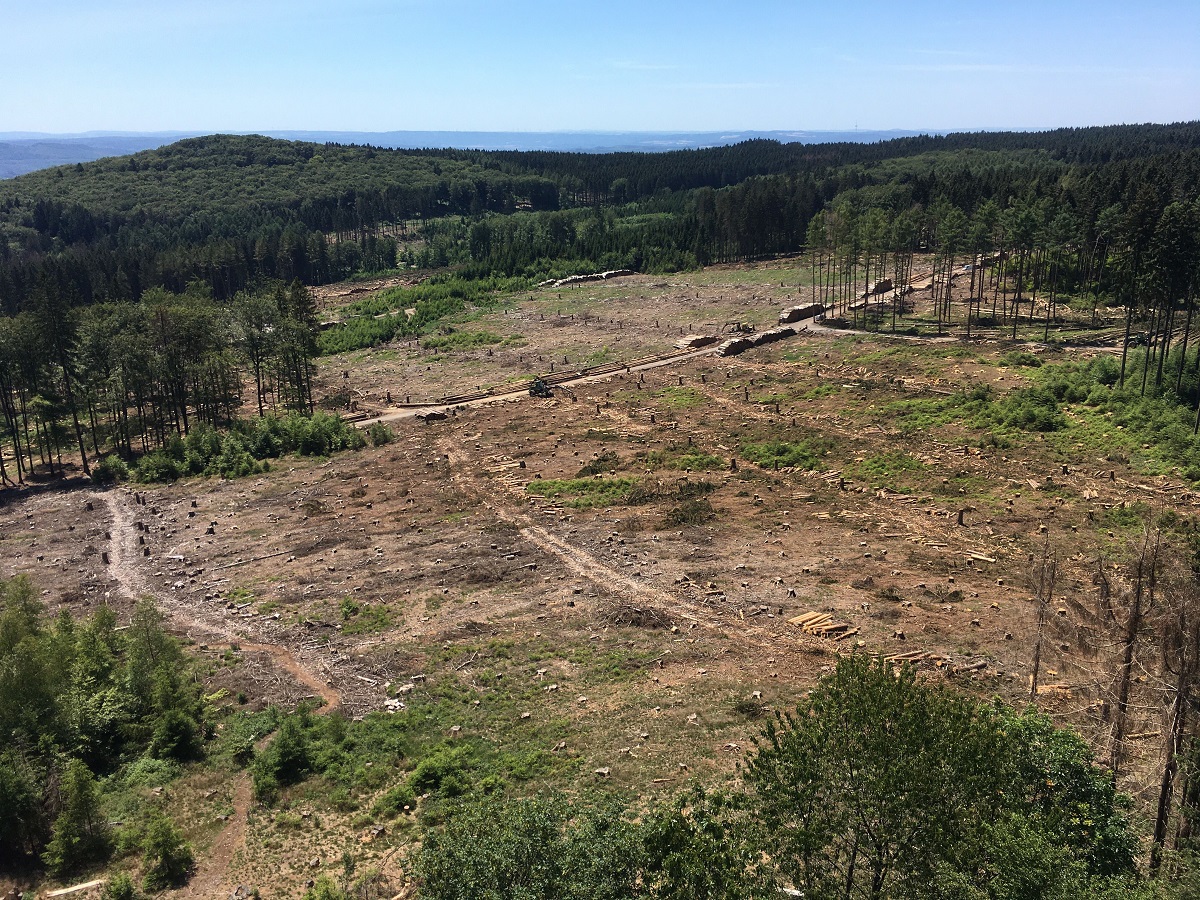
(440, 530)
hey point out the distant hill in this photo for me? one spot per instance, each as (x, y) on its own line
(22, 152)
(231, 210)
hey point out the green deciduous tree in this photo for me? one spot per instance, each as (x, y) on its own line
(879, 785)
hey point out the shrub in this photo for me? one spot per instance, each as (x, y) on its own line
(690, 512)
(167, 857)
(392, 803)
(110, 470)
(380, 434)
(1020, 358)
(119, 887)
(782, 454)
(444, 772)
(159, 466)
(606, 461)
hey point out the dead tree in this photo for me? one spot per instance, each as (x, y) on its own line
(1141, 600)
(1179, 641)
(1043, 578)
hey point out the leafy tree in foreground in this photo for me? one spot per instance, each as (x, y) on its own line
(880, 786)
(530, 850)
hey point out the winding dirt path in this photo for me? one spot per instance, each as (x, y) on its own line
(127, 569)
(212, 876)
(575, 558)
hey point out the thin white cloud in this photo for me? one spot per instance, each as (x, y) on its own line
(724, 85)
(635, 66)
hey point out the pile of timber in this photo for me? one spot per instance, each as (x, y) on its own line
(822, 625)
(799, 313)
(737, 345)
(582, 279)
(695, 341)
(914, 656)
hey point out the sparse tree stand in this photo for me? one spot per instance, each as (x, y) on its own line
(1141, 599)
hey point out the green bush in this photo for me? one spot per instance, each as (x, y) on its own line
(392, 803)
(119, 887)
(532, 849)
(110, 470)
(167, 857)
(380, 434)
(245, 447)
(607, 461)
(1021, 358)
(445, 772)
(690, 512)
(806, 454)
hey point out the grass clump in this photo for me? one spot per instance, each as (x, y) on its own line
(687, 457)
(583, 493)
(775, 454)
(884, 469)
(680, 397)
(1020, 359)
(364, 618)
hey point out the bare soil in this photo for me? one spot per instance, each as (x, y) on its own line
(440, 528)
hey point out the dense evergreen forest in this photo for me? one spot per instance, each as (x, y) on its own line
(141, 293)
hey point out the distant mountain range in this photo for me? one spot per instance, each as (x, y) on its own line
(22, 151)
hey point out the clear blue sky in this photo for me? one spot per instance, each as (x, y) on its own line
(639, 65)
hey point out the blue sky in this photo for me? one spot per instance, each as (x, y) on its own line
(535, 65)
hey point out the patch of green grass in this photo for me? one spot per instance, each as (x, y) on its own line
(675, 397)
(461, 340)
(583, 493)
(820, 391)
(883, 469)
(804, 454)
(1020, 359)
(364, 618)
(685, 457)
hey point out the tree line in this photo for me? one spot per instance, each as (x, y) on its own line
(231, 210)
(137, 378)
(128, 321)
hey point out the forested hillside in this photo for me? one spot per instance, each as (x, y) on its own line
(229, 210)
(141, 293)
